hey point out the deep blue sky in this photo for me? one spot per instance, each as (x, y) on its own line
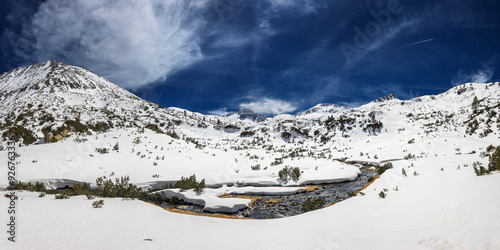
(273, 56)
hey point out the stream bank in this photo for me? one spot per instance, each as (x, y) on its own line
(279, 206)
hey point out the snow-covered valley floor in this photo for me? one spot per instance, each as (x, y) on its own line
(443, 207)
(451, 209)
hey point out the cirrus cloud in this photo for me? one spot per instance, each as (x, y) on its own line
(132, 43)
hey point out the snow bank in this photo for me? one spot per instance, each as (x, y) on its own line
(209, 199)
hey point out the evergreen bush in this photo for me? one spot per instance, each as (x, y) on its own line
(154, 128)
(190, 183)
(19, 132)
(384, 168)
(479, 169)
(98, 204)
(289, 173)
(76, 126)
(381, 195)
(29, 186)
(102, 150)
(63, 195)
(81, 189)
(494, 160)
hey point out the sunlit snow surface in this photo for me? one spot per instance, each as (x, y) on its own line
(451, 209)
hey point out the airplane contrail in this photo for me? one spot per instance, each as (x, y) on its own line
(424, 41)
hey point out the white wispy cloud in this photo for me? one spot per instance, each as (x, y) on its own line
(386, 35)
(481, 75)
(231, 40)
(219, 112)
(326, 87)
(304, 60)
(133, 43)
(299, 6)
(278, 8)
(269, 106)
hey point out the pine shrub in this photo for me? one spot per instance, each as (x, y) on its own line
(154, 128)
(98, 204)
(19, 132)
(289, 173)
(494, 160)
(29, 186)
(255, 167)
(80, 189)
(381, 195)
(121, 188)
(102, 150)
(76, 126)
(190, 183)
(384, 167)
(200, 186)
(63, 195)
(479, 169)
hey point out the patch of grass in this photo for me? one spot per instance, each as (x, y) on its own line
(224, 216)
(254, 199)
(311, 188)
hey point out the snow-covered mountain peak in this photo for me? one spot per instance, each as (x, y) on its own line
(53, 76)
(322, 110)
(56, 92)
(386, 98)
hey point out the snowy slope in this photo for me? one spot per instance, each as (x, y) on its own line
(440, 205)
